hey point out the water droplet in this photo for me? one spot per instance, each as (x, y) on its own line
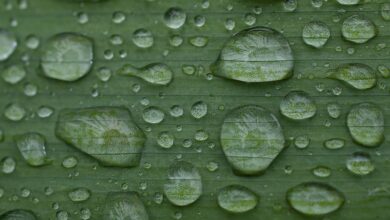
(79, 194)
(199, 41)
(321, 171)
(158, 198)
(165, 139)
(334, 110)
(385, 11)
(359, 76)
(82, 17)
(15, 112)
(315, 199)
(199, 20)
(316, 34)
(124, 205)
(334, 143)
(104, 74)
(176, 111)
(30, 89)
(45, 111)
(366, 122)
(67, 57)
(32, 42)
(302, 141)
(249, 19)
(258, 54)
(199, 110)
(153, 115)
(118, 17)
(176, 40)
(184, 184)
(85, 213)
(212, 166)
(384, 71)
(188, 69)
(201, 135)
(69, 162)
(358, 29)
(251, 138)
(348, 2)
(108, 134)
(62, 215)
(32, 148)
(174, 18)
(317, 3)
(237, 199)
(290, 5)
(14, 74)
(230, 24)
(8, 44)
(298, 105)
(8, 165)
(18, 214)
(143, 38)
(360, 164)
(155, 73)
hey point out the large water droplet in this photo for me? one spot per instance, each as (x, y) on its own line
(316, 34)
(358, 29)
(67, 57)
(251, 138)
(315, 199)
(184, 184)
(298, 105)
(108, 134)
(8, 44)
(155, 73)
(359, 76)
(124, 205)
(360, 164)
(258, 54)
(366, 123)
(237, 199)
(32, 148)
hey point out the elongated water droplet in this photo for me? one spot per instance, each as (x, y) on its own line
(14, 74)
(124, 205)
(32, 147)
(237, 199)
(8, 44)
(79, 194)
(360, 164)
(199, 41)
(290, 5)
(348, 2)
(334, 143)
(251, 138)
(315, 199)
(67, 57)
(184, 184)
(155, 73)
(258, 54)
(174, 18)
(358, 29)
(359, 76)
(108, 134)
(385, 11)
(8, 165)
(298, 105)
(366, 123)
(153, 115)
(316, 34)
(18, 214)
(321, 171)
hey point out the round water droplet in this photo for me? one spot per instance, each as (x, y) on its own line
(30, 89)
(32, 42)
(199, 20)
(201, 135)
(298, 105)
(258, 54)
(15, 112)
(69, 162)
(348, 2)
(237, 199)
(143, 38)
(8, 165)
(359, 76)
(316, 34)
(32, 148)
(118, 17)
(334, 110)
(251, 138)
(8, 44)
(315, 199)
(165, 139)
(366, 124)
(360, 164)
(290, 5)
(14, 74)
(104, 74)
(199, 110)
(230, 24)
(174, 18)
(302, 141)
(153, 115)
(334, 143)
(176, 111)
(79, 194)
(67, 57)
(62, 215)
(358, 29)
(124, 205)
(184, 184)
(176, 40)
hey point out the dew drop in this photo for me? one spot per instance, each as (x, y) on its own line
(298, 105)
(360, 164)
(153, 115)
(237, 199)
(358, 29)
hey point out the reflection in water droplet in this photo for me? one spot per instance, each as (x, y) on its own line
(69, 162)
(360, 164)
(45, 111)
(302, 142)
(32, 148)
(298, 105)
(348, 2)
(124, 205)
(199, 41)
(290, 5)
(334, 109)
(359, 76)
(176, 111)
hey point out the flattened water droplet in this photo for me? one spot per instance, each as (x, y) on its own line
(67, 57)
(176, 111)
(258, 54)
(315, 199)
(15, 112)
(290, 5)
(199, 41)
(199, 110)
(366, 122)
(69, 162)
(237, 199)
(45, 111)
(79, 194)
(321, 171)
(184, 184)
(251, 138)
(14, 74)
(302, 141)
(360, 164)
(316, 34)
(359, 76)
(8, 165)
(358, 29)
(153, 115)
(348, 2)
(298, 105)
(174, 18)
(165, 139)
(32, 148)
(143, 38)
(334, 143)
(124, 205)
(18, 214)
(155, 73)
(108, 134)
(8, 44)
